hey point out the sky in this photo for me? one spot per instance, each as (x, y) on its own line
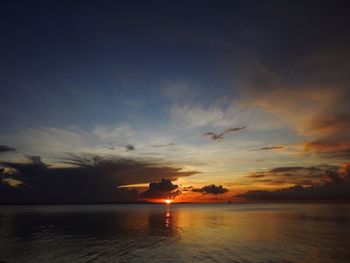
(193, 101)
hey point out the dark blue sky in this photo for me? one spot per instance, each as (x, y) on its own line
(67, 62)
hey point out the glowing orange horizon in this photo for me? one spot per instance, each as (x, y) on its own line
(167, 201)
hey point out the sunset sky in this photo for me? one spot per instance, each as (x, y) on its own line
(100, 99)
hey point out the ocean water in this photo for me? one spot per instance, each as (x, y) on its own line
(176, 233)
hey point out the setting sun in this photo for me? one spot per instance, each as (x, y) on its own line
(167, 201)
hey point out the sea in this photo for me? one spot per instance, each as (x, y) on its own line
(175, 233)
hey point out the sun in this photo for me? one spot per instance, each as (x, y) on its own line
(167, 201)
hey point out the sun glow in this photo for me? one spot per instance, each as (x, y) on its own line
(167, 201)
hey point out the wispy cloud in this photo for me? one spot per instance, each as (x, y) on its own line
(314, 105)
(162, 145)
(216, 136)
(196, 116)
(113, 132)
(267, 148)
(328, 147)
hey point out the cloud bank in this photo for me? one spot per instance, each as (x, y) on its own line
(334, 186)
(297, 175)
(85, 179)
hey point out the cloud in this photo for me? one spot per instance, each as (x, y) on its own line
(46, 141)
(51, 142)
(4, 149)
(215, 136)
(164, 189)
(298, 175)
(223, 112)
(329, 124)
(82, 179)
(329, 147)
(309, 96)
(130, 147)
(163, 145)
(121, 132)
(196, 116)
(187, 188)
(12, 182)
(335, 185)
(211, 189)
(269, 148)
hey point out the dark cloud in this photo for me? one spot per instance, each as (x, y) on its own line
(111, 146)
(334, 186)
(269, 148)
(216, 136)
(164, 189)
(163, 145)
(187, 188)
(211, 189)
(87, 179)
(4, 148)
(299, 175)
(130, 147)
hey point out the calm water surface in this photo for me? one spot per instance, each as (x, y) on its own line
(176, 233)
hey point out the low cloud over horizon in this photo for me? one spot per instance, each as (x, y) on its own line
(211, 189)
(164, 189)
(86, 179)
(311, 184)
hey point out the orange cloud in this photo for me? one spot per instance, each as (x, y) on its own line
(334, 185)
(314, 103)
(328, 147)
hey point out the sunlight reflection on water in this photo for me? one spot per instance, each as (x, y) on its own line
(175, 233)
